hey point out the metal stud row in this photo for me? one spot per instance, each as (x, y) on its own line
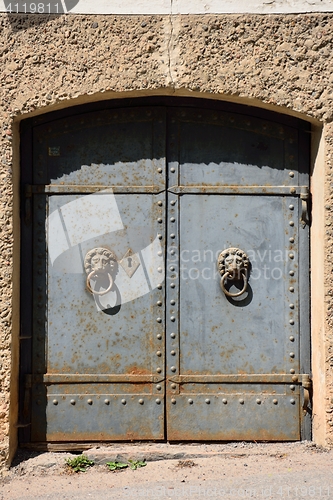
(106, 402)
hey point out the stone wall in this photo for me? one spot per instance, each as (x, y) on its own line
(281, 62)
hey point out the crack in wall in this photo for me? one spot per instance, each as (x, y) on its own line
(169, 45)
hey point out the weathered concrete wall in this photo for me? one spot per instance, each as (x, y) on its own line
(271, 61)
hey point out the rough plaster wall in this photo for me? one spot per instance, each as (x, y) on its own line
(279, 60)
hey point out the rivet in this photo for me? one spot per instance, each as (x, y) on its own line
(172, 169)
(291, 256)
(241, 401)
(173, 252)
(160, 253)
(190, 401)
(224, 401)
(258, 401)
(292, 401)
(55, 402)
(172, 302)
(160, 170)
(294, 378)
(275, 401)
(159, 220)
(172, 235)
(172, 285)
(291, 273)
(173, 202)
(172, 268)
(292, 190)
(141, 401)
(72, 401)
(106, 401)
(173, 335)
(291, 338)
(158, 353)
(291, 223)
(292, 240)
(292, 371)
(292, 354)
(38, 402)
(173, 401)
(158, 387)
(291, 174)
(292, 387)
(158, 401)
(291, 322)
(291, 289)
(89, 401)
(291, 207)
(291, 306)
(173, 386)
(173, 353)
(158, 370)
(160, 203)
(159, 336)
(159, 286)
(173, 368)
(207, 401)
(172, 318)
(172, 219)
(159, 320)
(159, 236)
(159, 303)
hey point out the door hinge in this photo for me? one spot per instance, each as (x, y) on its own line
(306, 382)
(305, 197)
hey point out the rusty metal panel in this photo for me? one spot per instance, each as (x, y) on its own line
(224, 149)
(98, 332)
(236, 417)
(122, 147)
(235, 183)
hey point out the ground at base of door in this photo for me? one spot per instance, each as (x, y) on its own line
(194, 471)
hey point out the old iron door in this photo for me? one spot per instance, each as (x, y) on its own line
(235, 364)
(232, 368)
(97, 369)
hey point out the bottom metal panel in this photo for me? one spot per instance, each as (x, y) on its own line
(235, 417)
(103, 417)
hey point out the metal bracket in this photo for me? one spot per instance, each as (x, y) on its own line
(305, 197)
(307, 389)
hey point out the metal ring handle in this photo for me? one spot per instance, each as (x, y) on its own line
(90, 275)
(229, 294)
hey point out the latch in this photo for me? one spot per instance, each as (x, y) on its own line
(305, 197)
(307, 391)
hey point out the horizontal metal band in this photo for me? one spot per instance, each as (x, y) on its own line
(91, 378)
(256, 378)
(69, 189)
(262, 190)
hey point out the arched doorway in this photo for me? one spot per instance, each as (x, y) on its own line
(166, 245)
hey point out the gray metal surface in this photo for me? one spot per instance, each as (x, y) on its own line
(168, 359)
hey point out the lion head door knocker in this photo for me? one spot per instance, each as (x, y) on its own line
(101, 266)
(233, 265)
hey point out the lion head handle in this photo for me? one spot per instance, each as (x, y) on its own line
(101, 260)
(233, 261)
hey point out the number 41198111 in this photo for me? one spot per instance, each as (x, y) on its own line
(34, 8)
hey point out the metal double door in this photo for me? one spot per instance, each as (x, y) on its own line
(138, 330)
